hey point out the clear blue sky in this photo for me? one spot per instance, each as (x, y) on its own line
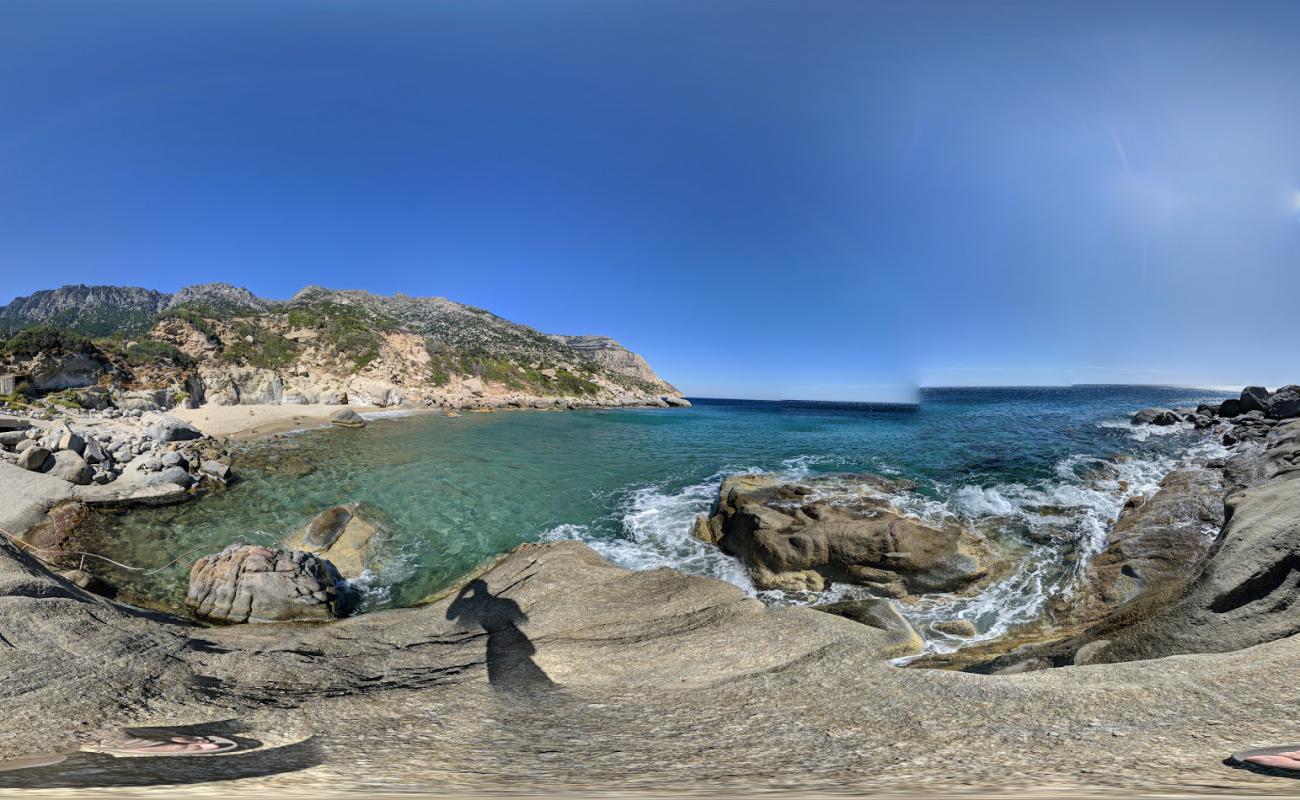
(801, 199)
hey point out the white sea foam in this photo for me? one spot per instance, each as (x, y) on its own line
(1062, 521)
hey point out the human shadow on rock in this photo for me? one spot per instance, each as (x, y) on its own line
(510, 652)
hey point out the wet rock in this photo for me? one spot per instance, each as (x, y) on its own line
(254, 583)
(793, 542)
(215, 469)
(347, 418)
(956, 627)
(341, 535)
(1156, 416)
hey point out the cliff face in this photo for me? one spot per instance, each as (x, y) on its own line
(221, 343)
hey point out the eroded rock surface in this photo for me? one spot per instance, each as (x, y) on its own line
(253, 583)
(791, 539)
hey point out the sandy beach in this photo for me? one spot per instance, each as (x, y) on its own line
(250, 422)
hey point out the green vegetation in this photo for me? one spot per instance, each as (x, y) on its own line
(93, 322)
(352, 331)
(27, 343)
(445, 361)
(66, 398)
(152, 351)
(258, 347)
(200, 323)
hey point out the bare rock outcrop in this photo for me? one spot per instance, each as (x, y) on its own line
(794, 541)
(254, 583)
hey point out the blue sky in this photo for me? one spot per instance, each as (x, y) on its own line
(767, 199)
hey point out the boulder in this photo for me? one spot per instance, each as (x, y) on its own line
(675, 401)
(347, 418)
(175, 475)
(215, 469)
(1254, 398)
(164, 428)
(1230, 408)
(1284, 403)
(254, 583)
(341, 535)
(35, 458)
(70, 467)
(881, 614)
(139, 401)
(11, 439)
(70, 440)
(14, 424)
(963, 628)
(792, 541)
(1156, 416)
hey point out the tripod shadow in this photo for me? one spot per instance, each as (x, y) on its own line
(509, 651)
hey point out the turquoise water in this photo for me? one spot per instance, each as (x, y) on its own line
(1042, 470)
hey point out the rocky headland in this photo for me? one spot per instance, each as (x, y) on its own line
(128, 348)
(552, 669)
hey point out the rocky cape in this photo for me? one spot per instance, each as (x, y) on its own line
(220, 344)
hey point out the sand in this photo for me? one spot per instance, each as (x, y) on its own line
(250, 422)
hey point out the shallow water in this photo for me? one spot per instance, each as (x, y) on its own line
(1043, 471)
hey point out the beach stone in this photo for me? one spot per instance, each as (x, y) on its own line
(881, 614)
(788, 540)
(24, 444)
(11, 439)
(254, 583)
(173, 458)
(347, 418)
(35, 458)
(89, 582)
(71, 467)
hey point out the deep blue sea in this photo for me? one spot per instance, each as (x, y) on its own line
(1044, 471)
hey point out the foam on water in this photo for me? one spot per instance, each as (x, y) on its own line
(1061, 523)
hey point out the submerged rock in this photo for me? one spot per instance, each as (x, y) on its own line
(791, 540)
(254, 583)
(341, 535)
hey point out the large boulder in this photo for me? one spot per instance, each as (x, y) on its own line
(1230, 408)
(35, 458)
(71, 467)
(347, 418)
(1156, 416)
(165, 428)
(1284, 403)
(791, 540)
(254, 583)
(14, 424)
(1254, 398)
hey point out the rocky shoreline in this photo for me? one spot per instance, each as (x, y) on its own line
(552, 669)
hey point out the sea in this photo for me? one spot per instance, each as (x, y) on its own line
(1043, 472)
